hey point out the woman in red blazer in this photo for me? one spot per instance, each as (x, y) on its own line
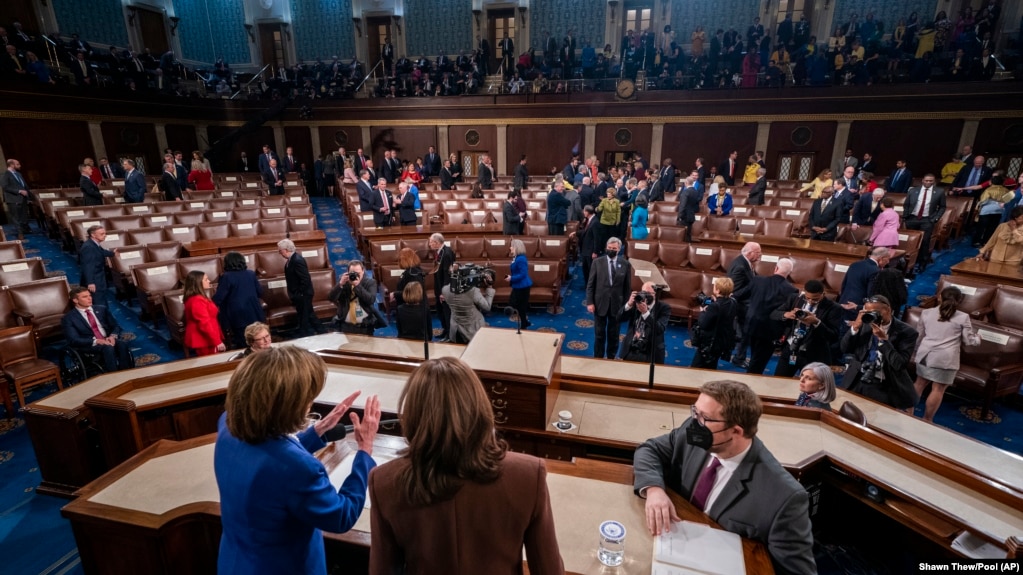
(200, 176)
(202, 330)
(457, 501)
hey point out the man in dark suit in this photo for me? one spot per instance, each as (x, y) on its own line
(868, 165)
(447, 177)
(730, 168)
(243, 163)
(84, 73)
(264, 158)
(17, 195)
(521, 174)
(432, 162)
(381, 204)
(742, 271)
(824, 217)
(766, 295)
(607, 290)
(274, 179)
(812, 323)
(901, 178)
(867, 208)
(180, 170)
(169, 183)
(586, 236)
(843, 199)
(688, 206)
(859, 280)
(486, 177)
(557, 210)
(110, 171)
(666, 179)
(484, 55)
(290, 163)
(923, 209)
(759, 498)
(92, 259)
(90, 191)
(360, 160)
(849, 179)
(388, 170)
(134, 183)
(300, 289)
(93, 329)
(364, 187)
(508, 55)
(647, 323)
(444, 258)
(758, 192)
(880, 353)
(972, 178)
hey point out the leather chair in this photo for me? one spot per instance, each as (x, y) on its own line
(7, 317)
(502, 288)
(992, 369)
(473, 250)
(553, 248)
(805, 269)
(834, 275)
(479, 218)
(22, 271)
(672, 255)
(245, 214)
(767, 212)
(245, 229)
(271, 201)
(1007, 307)
(384, 252)
(455, 216)
(269, 226)
(978, 296)
(705, 258)
(145, 236)
(121, 223)
(546, 276)
(910, 242)
(663, 219)
(643, 250)
(211, 265)
(323, 281)
(778, 228)
(157, 220)
(214, 231)
(174, 310)
(41, 304)
(494, 245)
(21, 365)
(162, 251)
(115, 239)
(180, 233)
(674, 234)
(300, 210)
(301, 224)
(169, 207)
(11, 251)
(279, 311)
(120, 268)
(152, 280)
(750, 225)
(273, 212)
(222, 204)
(800, 218)
(189, 218)
(316, 258)
(215, 215)
(422, 248)
(683, 284)
(536, 228)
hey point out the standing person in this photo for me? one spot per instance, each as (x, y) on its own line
(688, 206)
(411, 272)
(486, 175)
(825, 215)
(639, 219)
(290, 163)
(238, 298)
(729, 168)
(405, 205)
(512, 220)
(355, 297)
(468, 303)
(941, 329)
(456, 472)
(169, 183)
(521, 174)
(766, 295)
(646, 321)
(812, 323)
(923, 209)
(447, 176)
(822, 182)
(990, 208)
(202, 330)
(714, 333)
(557, 209)
(586, 238)
(300, 288)
(272, 177)
(201, 177)
(885, 231)
(275, 496)
(816, 386)
(92, 257)
(90, 191)
(1006, 244)
(879, 348)
(520, 282)
(758, 191)
(411, 318)
(444, 258)
(607, 290)
(742, 271)
(610, 210)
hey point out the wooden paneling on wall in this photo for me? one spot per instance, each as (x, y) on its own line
(298, 137)
(329, 135)
(129, 139)
(545, 145)
(998, 136)
(251, 143)
(683, 143)
(784, 138)
(182, 137)
(49, 150)
(926, 145)
(458, 142)
(409, 141)
(641, 140)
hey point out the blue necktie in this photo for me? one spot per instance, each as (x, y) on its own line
(20, 181)
(974, 176)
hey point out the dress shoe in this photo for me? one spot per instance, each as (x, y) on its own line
(443, 340)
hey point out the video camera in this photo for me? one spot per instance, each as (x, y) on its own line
(469, 275)
(703, 299)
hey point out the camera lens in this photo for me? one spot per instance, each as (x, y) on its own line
(800, 313)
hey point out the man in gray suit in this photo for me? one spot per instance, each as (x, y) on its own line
(607, 290)
(715, 461)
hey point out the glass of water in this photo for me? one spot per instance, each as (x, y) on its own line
(611, 549)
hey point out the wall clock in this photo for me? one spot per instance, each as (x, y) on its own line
(472, 137)
(623, 137)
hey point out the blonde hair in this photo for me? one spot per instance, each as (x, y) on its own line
(725, 285)
(270, 393)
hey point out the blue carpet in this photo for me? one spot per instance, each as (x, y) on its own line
(34, 538)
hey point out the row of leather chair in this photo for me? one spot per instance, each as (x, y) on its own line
(994, 303)
(19, 271)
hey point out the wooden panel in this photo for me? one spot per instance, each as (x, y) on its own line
(410, 142)
(487, 142)
(683, 143)
(998, 136)
(133, 140)
(926, 145)
(298, 137)
(546, 146)
(783, 138)
(642, 139)
(49, 150)
(252, 143)
(181, 137)
(329, 136)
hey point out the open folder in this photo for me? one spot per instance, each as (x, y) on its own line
(696, 548)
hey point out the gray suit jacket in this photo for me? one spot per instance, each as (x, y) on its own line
(760, 501)
(467, 309)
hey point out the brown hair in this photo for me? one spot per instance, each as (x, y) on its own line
(270, 393)
(413, 293)
(951, 297)
(193, 285)
(739, 404)
(449, 425)
(408, 258)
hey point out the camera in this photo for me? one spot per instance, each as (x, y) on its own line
(870, 317)
(353, 276)
(704, 299)
(643, 297)
(801, 313)
(469, 276)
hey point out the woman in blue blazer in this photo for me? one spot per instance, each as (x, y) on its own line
(237, 297)
(275, 496)
(520, 281)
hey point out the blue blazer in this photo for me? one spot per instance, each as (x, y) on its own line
(237, 296)
(275, 498)
(134, 187)
(557, 208)
(726, 204)
(858, 282)
(520, 273)
(93, 261)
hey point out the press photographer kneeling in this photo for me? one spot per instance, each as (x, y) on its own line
(812, 325)
(713, 334)
(469, 295)
(647, 323)
(355, 297)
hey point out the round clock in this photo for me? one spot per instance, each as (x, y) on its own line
(341, 138)
(623, 137)
(625, 89)
(472, 137)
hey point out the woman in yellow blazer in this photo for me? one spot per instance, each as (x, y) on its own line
(749, 177)
(822, 181)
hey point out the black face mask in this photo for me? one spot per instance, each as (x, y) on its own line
(611, 254)
(698, 435)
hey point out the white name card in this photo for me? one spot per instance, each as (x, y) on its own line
(769, 192)
(302, 221)
(748, 222)
(156, 271)
(75, 213)
(542, 268)
(219, 214)
(999, 338)
(396, 273)
(179, 230)
(180, 298)
(493, 205)
(295, 199)
(140, 208)
(542, 195)
(15, 267)
(642, 246)
(841, 268)
(47, 195)
(273, 210)
(642, 273)
(292, 183)
(497, 242)
(534, 205)
(227, 194)
(199, 205)
(106, 192)
(117, 184)
(231, 179)
(246, 227)
(60, 204)
(252, 184)
(903, 237)
(310, 253)
(277, 284)
(157, 219)
(698, 217)
(728, 190)
(793, 213)
(552, 242)
(967, 290)
(367, 217)
(92, 223)
(129, 255)
(704, 252)
(786, 204)
(248, 202)
(740, 210)
(479, 213)
(388, 247)
(114, 237)
(451, 204)
(118, 200)
(771, 259)
(419, 214)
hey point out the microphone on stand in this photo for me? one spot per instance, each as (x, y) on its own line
(510, 311)
(339, 431)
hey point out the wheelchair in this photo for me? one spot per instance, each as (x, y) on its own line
(78, 365)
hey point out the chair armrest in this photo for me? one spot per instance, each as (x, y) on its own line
(930, 302)
(24, 315)
(981, 313)
(1005, 370)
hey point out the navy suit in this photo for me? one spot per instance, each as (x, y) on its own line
(90, 191)
(899, 183)
(264, 161)
(92, 259)
(858, 283)
(557, 213)
(381, 219)
(134, 187)
(607, 294)
(757, 192)
(271, 181)
(181, 175)
(864, 212)
(366, 193)
(766, 295)
(79, 335)
(237, 297)
(845, 201)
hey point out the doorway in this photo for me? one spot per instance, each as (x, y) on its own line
(796, 166)
(501, 24)
(470, 160)
(153, 29)
(271, 47)
(378, 28)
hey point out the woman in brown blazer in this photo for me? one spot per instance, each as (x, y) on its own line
(457, 501)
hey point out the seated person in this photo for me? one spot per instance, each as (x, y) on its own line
(257, 339)
(411, 316)
(94, 330)
(816, 386)
(716, 461)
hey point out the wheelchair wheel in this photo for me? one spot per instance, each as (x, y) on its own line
(72, 367)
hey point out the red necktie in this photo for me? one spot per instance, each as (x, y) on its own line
(923, 202)
(383, 198)
(93, 324)
(705, 484)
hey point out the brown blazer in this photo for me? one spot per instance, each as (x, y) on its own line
(480, 530)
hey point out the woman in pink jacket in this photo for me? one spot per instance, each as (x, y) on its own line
(886, 226)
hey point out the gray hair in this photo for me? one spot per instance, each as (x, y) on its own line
(437, 237)
(880, 252)
(749, 247)
(286, 245)
(827, 377)
(518, 247)
(784, 266)
(613, 240)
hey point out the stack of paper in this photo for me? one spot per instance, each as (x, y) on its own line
(694, 548)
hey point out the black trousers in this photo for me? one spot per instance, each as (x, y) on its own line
(308, 323)
(114, 357)
(704, 360)
(520, 301)
(761, 350)
(586, 261)
(607, 328)
(556, 229)
(926, 226)
(986, 228)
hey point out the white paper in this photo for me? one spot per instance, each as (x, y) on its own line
(117, 184)
(740, 210)
(769, 259)
(155, 219)
(388, 247)
(310, 254)
(273, 210)
(179, 230)
(642, 273)
(786, 204)
(291, 183)
(396, 273)
(227, 194)
(903, 237)
(199, 205)
(129, 255)
(542, 195)
(541, 268)
(479, 213)
(248, 202)
(639, 246)
(15, 267)
(552, 242)
(972, 546)
(302, 221)
(277, 284)
(156, 271)
(92, 223)
(993, 337)
(140, 208)
(497, 242)
(295, 199)
(230, 179)
(113, 236)
(47, 195)
(701, 548)
(60, 203)
(75, 213)
(247, 227)
(219, 214)
(704, 251)
(793, 213)
(747, 222)
(251, 185)
(698, 217)
(841, 268)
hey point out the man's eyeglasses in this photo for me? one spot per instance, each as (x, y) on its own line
(703, 419)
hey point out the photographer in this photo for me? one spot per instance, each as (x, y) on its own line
(647, 324)
(714, 332)
(355, 297)
(468, 302)
(880, 348)
(812, 323)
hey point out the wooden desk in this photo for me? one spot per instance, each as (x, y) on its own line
(308, 239)
(996, 273)
(159, 512)
(838, 252)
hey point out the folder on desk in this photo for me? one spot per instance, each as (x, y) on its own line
(696, 548)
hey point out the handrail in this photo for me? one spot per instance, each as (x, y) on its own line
(369, 74)
(258, 74)
(51, 51)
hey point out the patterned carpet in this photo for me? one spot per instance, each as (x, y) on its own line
(34, 538)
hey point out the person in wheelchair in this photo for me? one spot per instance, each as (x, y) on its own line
(93, 330)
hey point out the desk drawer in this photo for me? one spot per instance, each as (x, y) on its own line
(516, 404)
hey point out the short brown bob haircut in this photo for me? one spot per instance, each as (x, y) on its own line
(408, 258)
(740, 405)
(270, 393)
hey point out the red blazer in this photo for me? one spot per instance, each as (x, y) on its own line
(202, 329)
(96, 176)
(203, 180)
(480, 530)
